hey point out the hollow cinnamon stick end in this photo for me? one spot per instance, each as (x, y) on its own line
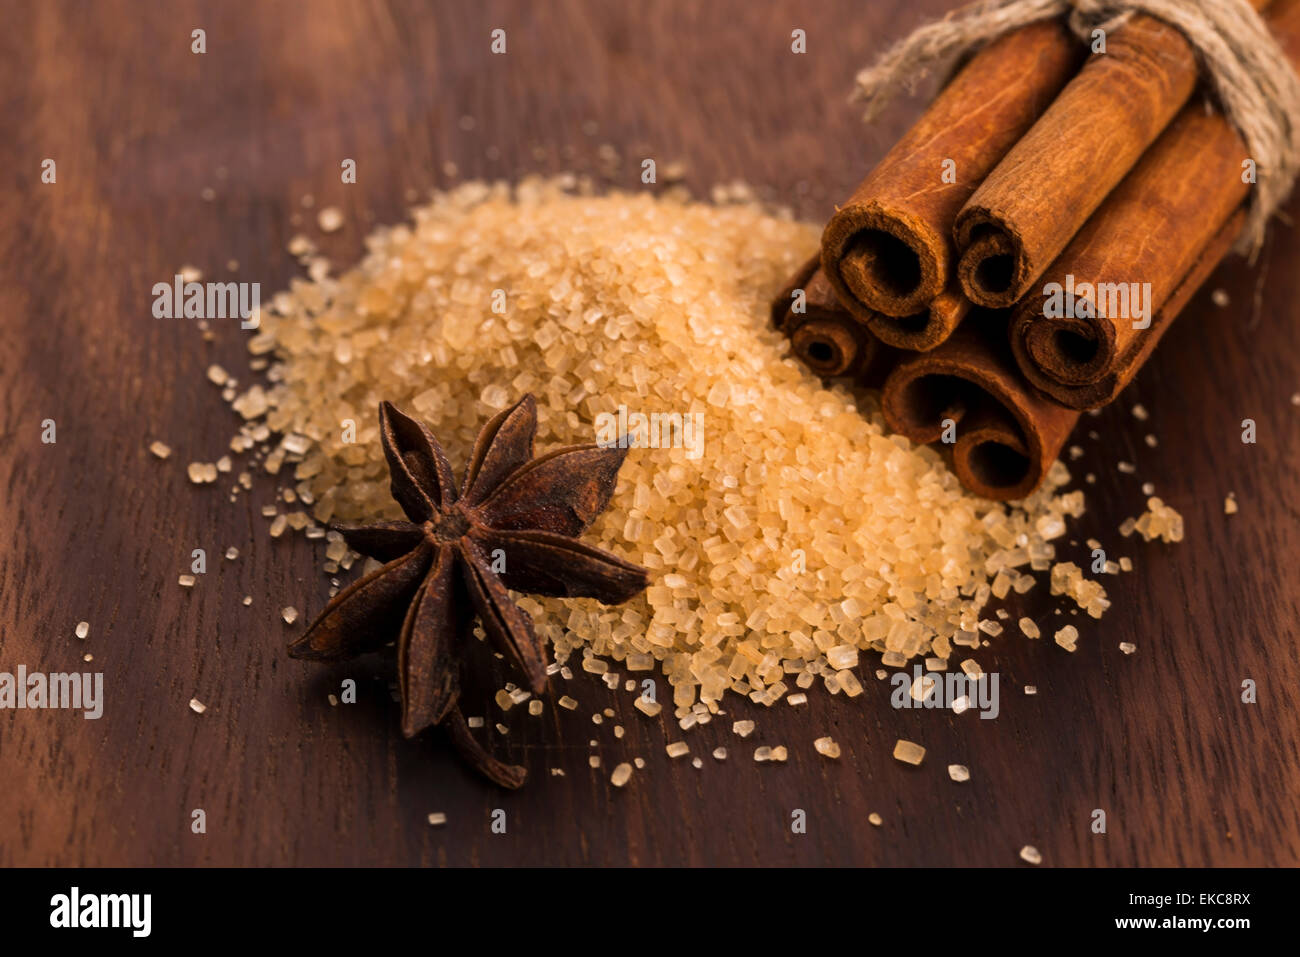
(831, 347)
(1064, 360)
(884, 260)
(928, 329)
(992, 460)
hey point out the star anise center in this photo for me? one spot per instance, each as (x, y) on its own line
(447, 526)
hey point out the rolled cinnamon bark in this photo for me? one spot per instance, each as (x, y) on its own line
(1028, 208)
(828, 340)
(927, 329)
(889, 248)
(1007, 434)
(1128, 273)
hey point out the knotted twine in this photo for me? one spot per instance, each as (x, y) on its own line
(1257, 90)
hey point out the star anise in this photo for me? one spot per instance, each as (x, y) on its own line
(513, 524)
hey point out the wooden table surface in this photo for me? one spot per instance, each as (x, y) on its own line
(98, 529)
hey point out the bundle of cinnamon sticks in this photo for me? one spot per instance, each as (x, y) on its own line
(1018, 254)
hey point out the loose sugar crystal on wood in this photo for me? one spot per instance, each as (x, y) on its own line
(908, 752)
(1066, 637)
(827, 747)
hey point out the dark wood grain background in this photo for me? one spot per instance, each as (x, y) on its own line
(95, 528)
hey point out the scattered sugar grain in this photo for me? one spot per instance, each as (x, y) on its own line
(330, 219)
(908, 752)
(1066, 637)
(827, 747)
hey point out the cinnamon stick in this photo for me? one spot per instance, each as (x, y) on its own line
(1028, 208)
(925, 330)
(1007, 434)
(828, 340)
(1148, 248)
(889, 248)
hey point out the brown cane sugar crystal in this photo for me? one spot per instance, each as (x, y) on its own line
(826, 746)
(909, 752)
(1066, 637)
(629, 315)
